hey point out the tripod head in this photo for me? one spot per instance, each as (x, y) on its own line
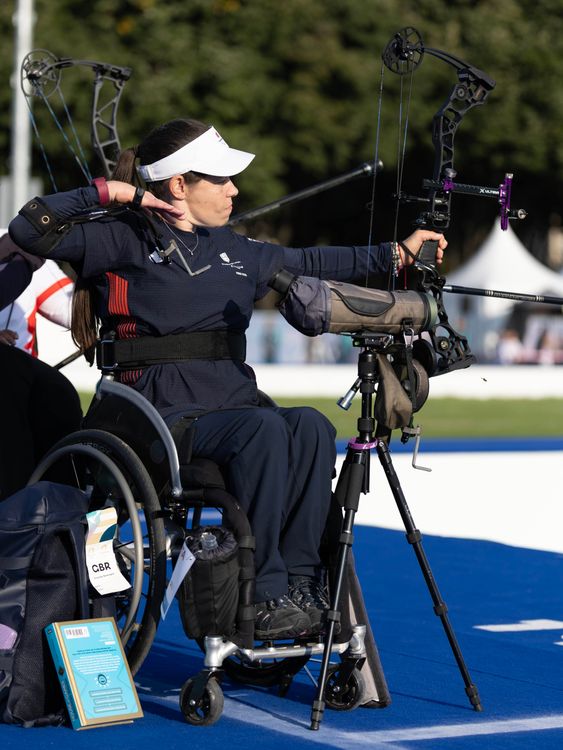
(392, 383)
(388, 327)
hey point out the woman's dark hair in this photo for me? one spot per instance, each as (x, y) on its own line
(160, 142)
(84, 325)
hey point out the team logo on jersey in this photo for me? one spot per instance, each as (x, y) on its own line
(236, 265)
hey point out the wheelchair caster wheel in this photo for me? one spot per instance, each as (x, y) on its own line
(344, 697)
(207, 709)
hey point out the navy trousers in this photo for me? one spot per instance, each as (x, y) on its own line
(279, 464)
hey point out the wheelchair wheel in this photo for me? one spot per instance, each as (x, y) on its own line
(207, 709)
(113, 476)
(347, 696)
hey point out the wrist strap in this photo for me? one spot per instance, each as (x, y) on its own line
(408, 253)
(138, 197)
(103, 191)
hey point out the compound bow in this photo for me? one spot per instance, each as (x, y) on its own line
(402, 55)
(447, 349)
(41, 77)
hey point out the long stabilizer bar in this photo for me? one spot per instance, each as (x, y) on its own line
(544, 299)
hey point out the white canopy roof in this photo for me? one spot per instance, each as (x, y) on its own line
(504, 264)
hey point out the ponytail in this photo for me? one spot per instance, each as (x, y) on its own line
(125, 169)
(84, 326)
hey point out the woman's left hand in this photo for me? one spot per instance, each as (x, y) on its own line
(414, 243)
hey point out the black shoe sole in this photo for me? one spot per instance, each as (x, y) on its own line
(281, 635)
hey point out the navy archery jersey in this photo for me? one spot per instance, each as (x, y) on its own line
(226, 274)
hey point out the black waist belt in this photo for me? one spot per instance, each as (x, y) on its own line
(132, 354)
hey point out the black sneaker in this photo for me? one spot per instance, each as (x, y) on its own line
(280, 618)
(310, 596)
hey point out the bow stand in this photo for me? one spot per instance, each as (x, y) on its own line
(354, 480)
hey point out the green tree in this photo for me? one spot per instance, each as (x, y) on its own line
(297, 82)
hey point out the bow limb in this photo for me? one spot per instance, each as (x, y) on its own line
(41, 77)
(403, 54)
(105, 139)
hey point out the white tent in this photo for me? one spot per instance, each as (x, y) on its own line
(501, 263)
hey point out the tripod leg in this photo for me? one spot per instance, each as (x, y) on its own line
(350, 485)
(414, 538)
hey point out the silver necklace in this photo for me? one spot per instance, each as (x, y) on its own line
(190, 250)
(174, 246)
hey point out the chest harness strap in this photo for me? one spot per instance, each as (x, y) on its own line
(133, 354)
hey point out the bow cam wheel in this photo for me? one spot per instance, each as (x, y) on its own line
(404, 52)
(40, 73)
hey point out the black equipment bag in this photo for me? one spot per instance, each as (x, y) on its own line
(43, 579)
(209, 594)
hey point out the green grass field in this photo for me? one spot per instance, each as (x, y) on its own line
(452, 417)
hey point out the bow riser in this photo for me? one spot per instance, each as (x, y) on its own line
(465, 95)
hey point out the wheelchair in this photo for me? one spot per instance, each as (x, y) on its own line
(125, 457)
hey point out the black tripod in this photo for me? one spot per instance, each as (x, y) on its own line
(354, 480)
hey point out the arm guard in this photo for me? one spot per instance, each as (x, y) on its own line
(50, 229)
(314, 307)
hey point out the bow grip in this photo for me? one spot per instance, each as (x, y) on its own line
(427, 253)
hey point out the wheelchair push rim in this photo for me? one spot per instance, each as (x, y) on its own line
(114, 469)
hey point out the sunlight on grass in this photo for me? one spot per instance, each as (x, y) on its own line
(451, 417)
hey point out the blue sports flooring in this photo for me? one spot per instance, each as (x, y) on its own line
(518, 670)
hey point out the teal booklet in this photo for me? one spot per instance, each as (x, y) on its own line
(93, 671)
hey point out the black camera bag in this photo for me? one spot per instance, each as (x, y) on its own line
(43, 579)
(209, 594)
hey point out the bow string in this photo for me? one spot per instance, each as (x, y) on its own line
(41, 76)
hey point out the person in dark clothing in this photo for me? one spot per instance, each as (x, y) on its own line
(16, 269)
(278, 461)
(38, 404)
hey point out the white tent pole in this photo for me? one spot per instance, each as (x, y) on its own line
(21, 131)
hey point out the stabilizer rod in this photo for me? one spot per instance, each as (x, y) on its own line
(546, 300)
(364, 170)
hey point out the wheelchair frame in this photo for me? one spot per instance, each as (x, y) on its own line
(96, 453)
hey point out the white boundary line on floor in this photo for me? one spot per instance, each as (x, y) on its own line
(331, 737)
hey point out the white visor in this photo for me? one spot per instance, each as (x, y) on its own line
(208, 154)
